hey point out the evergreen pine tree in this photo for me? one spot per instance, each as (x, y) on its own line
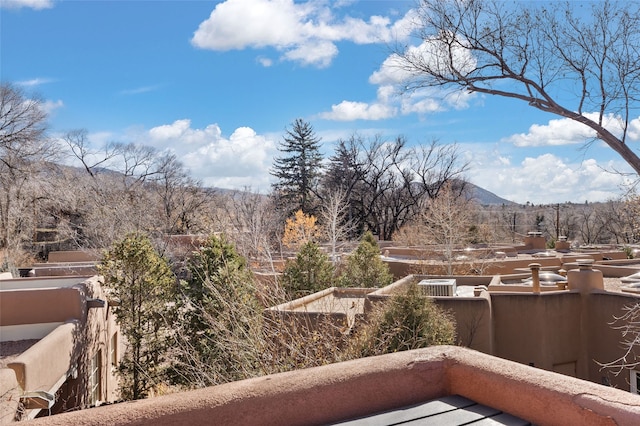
(143, 283)
(299, 169)
(220, 318)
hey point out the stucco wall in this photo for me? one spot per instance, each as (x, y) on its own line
(60, 361)
(43, 365)
(473, 320)
(543, 330)
(604, 342)
(33, 306)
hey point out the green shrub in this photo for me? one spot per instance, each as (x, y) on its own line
(364, 267)
(310, 272)
(407, 321)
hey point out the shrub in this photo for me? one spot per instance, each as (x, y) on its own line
(364, 267)
(310, 272)
(407, 321)
(219, 318)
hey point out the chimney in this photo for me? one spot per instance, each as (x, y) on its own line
(585, 278)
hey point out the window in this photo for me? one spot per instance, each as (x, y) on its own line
(634, 381)
(95, 378)
(113, 350)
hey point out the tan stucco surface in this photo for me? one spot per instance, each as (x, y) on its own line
(352, 389)
(43, 364)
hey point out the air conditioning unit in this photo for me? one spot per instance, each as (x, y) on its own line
(438, 287)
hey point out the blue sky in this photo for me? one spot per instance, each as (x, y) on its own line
(218, 82)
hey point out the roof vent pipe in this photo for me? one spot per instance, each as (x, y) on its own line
(535, 276)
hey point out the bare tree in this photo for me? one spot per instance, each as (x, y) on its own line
(180, 196)
(591, 226)
(446, 222)
(24, 154)
(392, 181)
(335, 221)
(555, 56)
(255, 224)
(77, 141)
(627, 324)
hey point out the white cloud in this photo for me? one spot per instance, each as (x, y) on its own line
(50, 106)
(390, 72)
(241, 160)
(303, 32)
(34, 82)
(264, 61)
(421, 100)
(33, 4)
(544, 179)
(564, 131)
(634, 129)
(349, 111)
(314, 52)
(392, 97)
(139, 90)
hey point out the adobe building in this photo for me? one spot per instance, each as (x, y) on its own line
(520, 334)
(561, 326)
(59, 346)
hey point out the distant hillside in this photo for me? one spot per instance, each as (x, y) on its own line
(485, 197)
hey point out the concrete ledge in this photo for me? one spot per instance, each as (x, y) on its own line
(64, 270)
(352, 389)
(27, 331)
(42, 365)
(72, 256)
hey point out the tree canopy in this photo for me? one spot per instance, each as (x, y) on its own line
(219, 315)
(386, 183)
(578, 61)
(311, 271)
(298, 170)
(144, 285)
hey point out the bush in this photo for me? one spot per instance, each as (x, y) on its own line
(364, 267)
(219, 319)
(310, 272)
(407, 321)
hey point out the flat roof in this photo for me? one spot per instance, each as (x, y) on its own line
(34, 283)
(12, 349)
(452, 410)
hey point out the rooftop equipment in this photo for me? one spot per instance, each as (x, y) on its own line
(438, 287)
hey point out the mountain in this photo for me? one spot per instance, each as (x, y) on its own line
(485, 197)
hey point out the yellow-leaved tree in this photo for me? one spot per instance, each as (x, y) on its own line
(299, 230)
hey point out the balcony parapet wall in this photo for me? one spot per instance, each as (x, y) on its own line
(364, 386)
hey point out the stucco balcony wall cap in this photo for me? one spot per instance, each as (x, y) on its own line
(540, 396)
(312, 396)
(43, 365)
(365, 386)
